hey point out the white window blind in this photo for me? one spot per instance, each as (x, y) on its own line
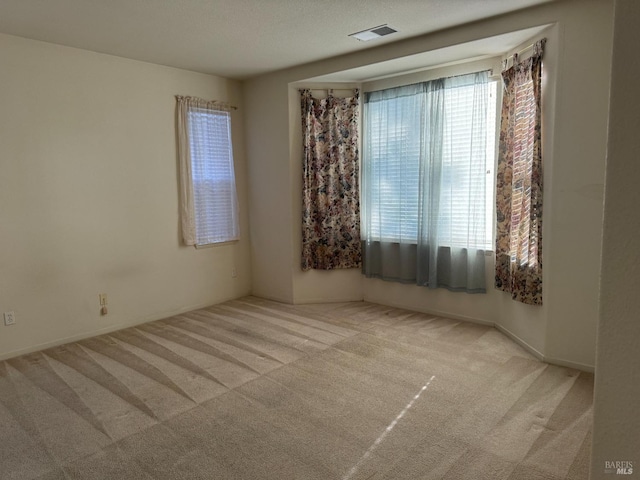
(395, 140)
(212, 175)
(392, 153)
(466, 212)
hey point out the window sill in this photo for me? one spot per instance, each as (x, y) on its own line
(217, 244)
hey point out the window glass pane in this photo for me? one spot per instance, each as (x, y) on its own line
(393, 148)
(394, 138)
(214, 191)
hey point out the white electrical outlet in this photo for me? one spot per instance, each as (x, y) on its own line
(9, 318)
(234, 272)
(103, 303)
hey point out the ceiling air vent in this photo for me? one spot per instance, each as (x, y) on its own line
(373, 33)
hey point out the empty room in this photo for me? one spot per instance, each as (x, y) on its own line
(299, 239)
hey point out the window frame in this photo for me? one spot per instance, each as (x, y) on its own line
(207, 161)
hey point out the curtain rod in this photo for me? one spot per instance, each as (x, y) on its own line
(215, 102)
(329, 90)
(523, 50)
(515, 57)
(540, 42)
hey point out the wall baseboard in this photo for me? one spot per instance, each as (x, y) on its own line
(111, 328)
(529, 348)
(74, 338)
(307, 301)
(568, 364)
(437, 313)
(542, 357)
(274, 298)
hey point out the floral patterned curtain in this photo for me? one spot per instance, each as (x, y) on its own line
(519, 182)
(330, 196)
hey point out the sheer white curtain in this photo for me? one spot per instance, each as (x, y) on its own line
(425, 163)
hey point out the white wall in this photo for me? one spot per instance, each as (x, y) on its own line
(616, 435)
(270, 204)
(578, 54)
(574, 206)
(88, 188)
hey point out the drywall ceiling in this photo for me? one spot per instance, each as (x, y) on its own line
(235, 38)
(489, 47)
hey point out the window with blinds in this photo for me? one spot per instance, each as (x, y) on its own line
(467, 203)
(395, 139)
(212, 175)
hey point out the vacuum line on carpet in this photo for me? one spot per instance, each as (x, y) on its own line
(391, 426)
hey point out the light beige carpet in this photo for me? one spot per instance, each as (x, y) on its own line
(253, 389)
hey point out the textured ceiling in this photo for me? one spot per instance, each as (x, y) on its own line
(490, 47)
(234, 38)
